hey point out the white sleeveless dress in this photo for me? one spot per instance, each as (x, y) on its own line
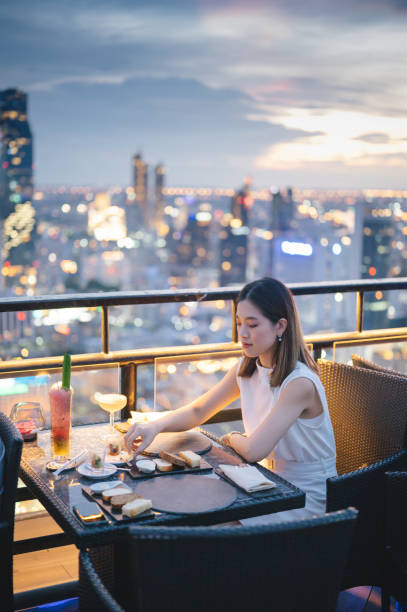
(305, 455)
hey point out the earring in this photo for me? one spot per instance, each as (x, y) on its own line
(280, 338)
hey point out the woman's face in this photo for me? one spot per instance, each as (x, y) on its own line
(257, 334)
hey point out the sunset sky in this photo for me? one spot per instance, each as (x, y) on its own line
(308, 94)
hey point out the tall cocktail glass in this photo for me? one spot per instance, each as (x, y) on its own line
(60, 401)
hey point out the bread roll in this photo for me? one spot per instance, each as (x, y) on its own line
(137, 506)
(118, 501)
(192, 459)
(106, 495)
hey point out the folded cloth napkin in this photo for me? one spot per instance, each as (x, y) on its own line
(248, 477)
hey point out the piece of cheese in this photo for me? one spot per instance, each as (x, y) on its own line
(137, 506)
(192, 459)
(118, 501)
(163, 465)
(175, 459)
(106, 495)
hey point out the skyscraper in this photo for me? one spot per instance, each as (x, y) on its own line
(140, 182)
(17, 214)
(159, 175)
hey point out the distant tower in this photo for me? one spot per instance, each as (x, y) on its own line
(17, 213)
(140, 182)
(159, 175)
(242, 202)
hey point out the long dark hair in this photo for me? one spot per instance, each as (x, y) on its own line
(275, 301)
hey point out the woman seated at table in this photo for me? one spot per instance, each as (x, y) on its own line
(284, 408)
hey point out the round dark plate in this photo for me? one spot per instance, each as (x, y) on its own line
(187, 493)
(176, 442)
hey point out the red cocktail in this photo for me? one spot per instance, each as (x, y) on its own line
(60, 401)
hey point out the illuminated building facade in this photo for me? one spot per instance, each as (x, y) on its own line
(16, 179)
(106, 222)
(234, 239)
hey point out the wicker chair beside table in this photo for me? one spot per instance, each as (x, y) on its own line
(369, 417)
(275, 567)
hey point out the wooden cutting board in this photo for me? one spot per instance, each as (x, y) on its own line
(187, 493)
(176, 442)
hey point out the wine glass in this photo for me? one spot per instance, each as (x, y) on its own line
(110, 402)
(28, 418)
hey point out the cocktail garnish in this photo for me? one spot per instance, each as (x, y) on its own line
(66, 372)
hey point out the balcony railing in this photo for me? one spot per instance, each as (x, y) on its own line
(130, 360)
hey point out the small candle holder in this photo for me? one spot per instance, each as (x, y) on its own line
(28, 418)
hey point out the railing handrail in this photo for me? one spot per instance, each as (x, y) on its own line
(124, 298)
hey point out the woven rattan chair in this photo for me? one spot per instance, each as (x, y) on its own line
(361, 362)
(11, 462)
(290, 566)
(396, 540)
(369, 416)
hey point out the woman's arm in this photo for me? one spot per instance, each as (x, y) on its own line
(191, 415)
(297, 396)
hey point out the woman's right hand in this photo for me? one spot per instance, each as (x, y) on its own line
(140, 436)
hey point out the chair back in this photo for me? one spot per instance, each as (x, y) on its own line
(13, 443)
(368, 411)
(361, 362)
(284, 566)
(396, 513)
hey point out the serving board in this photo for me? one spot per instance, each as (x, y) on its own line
(187, 494)
(177, 442)
(176, 469)
(116, 516)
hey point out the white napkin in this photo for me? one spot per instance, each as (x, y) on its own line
(248, 477)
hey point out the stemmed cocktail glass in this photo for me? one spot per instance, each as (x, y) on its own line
(110, 402)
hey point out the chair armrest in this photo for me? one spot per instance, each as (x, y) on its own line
(93, 595)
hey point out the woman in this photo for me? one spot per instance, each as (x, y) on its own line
(284, 408)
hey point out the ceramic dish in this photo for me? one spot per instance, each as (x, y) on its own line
(99, 487)
(85, 470)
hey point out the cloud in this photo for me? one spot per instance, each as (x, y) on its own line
(242, 81)
(92, 131)
(373, 137)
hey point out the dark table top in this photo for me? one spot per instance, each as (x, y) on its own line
(59, 497)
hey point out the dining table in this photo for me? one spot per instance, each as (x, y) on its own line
(60, 495)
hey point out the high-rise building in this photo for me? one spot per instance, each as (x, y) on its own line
(234, 238)
(159, 176)
(282, 210)
(140, 182)
(17, 213)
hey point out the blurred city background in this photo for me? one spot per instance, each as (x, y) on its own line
(321, 198)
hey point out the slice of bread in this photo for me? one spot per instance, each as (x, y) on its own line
(109, 493)
(192, 459)
(137, 506)
(118, 501)
(163, 465)
(174, 459)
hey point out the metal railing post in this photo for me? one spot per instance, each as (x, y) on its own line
(235, 337)
(359, 310)
(105, 329)
(128, 387)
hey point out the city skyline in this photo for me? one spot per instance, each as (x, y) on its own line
(311, 96)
